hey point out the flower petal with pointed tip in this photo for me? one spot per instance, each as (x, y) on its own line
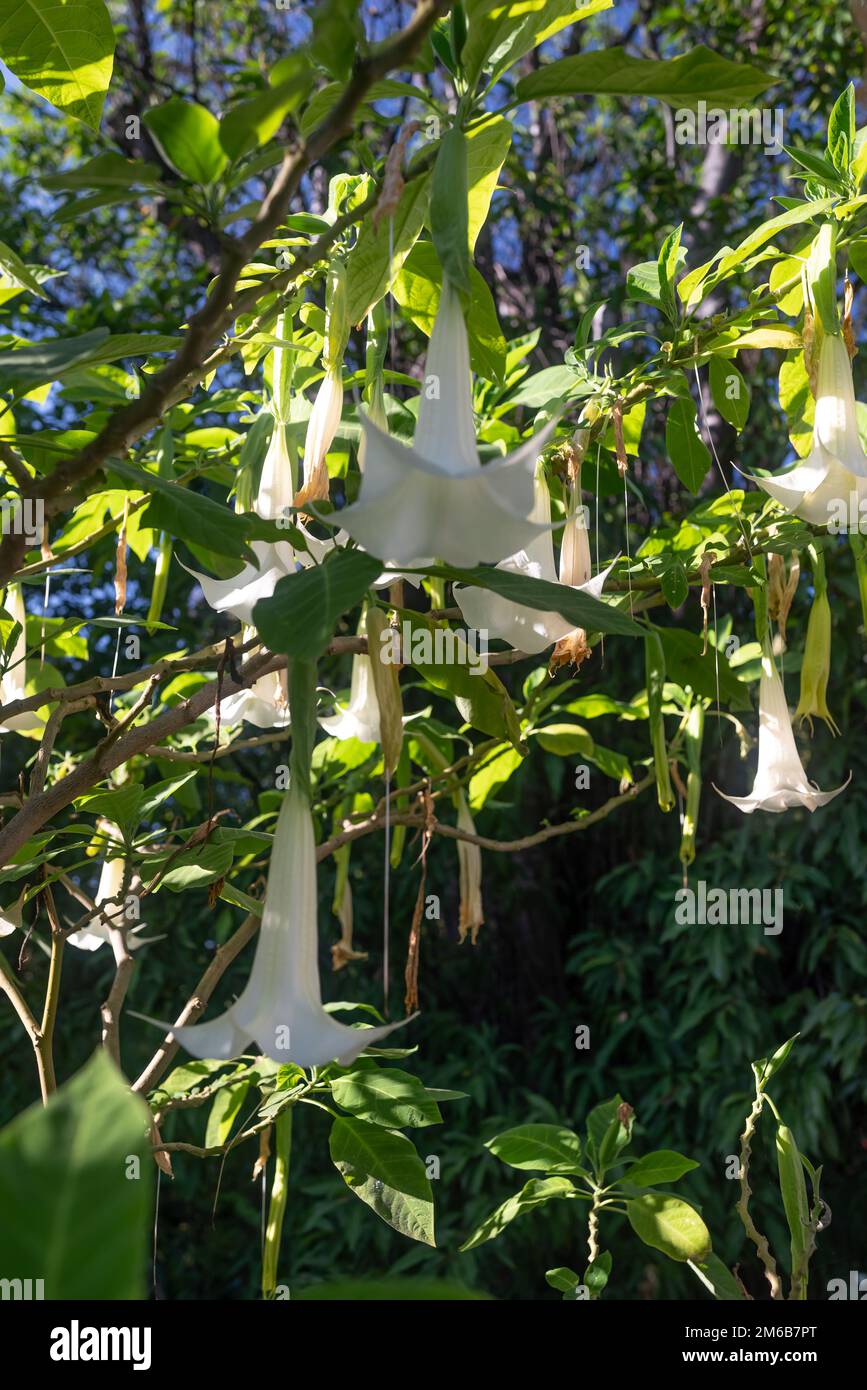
(781, 781)
(280, 1010)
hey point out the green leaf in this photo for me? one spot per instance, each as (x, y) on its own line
(194, 868)
(670, 1225)
(674, 584)
(254, 122)
(370, 266)
(766, 1067)
(107, 170)
(187, 515)
(75, 1189)
(493, 774)
(643, 283)
(480, 695)
(700, 75)
(499, 32)
(386, 1097)
(606, 1136)
(577, 608)
(224, 1110)
(597, 1273)
(841, 130)
(707, 673)
(663, 1165)
(63, 50)
(533, 1194)
(487, 147)
(188, 137)
(731, 394)
(384, 1170)
(35, 363)
(417, 290)
(548, 1148)
(20, 276)
(300, 616)
(449, 218)
(564, 1280)
(687, 450)
(121, 805)
(715, 1276)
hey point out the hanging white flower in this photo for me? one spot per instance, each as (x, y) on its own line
(280, 1010)
(13, 682)
(277, 479)
(265, 703)
(360, 718)
(527, 629)
(472, 915)
(781, 781)
(435, 498)
(836, 466)
(111, 877)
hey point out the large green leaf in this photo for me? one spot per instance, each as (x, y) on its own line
(708, 672)
(370, 265)
(670, 1225)
(390, 1097)
(51, 359)
(300, 616)
(700, 75)
(18, 275)
(384, 1170)
(547, 1148)
(449, 218)
(189, 516)
(576, 607)
(62, 49)
(533, 1194)
(75, 1189)
(482, 699)
(663, 1165)
(188, 137)
(499, 32)
(417, 290)
(687, 450)
(487, 147)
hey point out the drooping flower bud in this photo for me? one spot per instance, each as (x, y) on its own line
(472, 914)
(816, 666)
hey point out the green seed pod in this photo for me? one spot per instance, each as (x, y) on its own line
(165, 547)
(654, 658)
(386, 683)
(793, 1189)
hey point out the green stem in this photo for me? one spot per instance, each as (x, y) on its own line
(277, 1205)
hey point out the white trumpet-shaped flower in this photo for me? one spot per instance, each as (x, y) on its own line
(277, 479)
(781, 781)
(13, 682)
(435, 498)
(265, 703)
(836, 466)
(111, 877)
(240, 594)
(321, 429)
(280, 1010)
(360, 718)
(527, 629)
(11, 917)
